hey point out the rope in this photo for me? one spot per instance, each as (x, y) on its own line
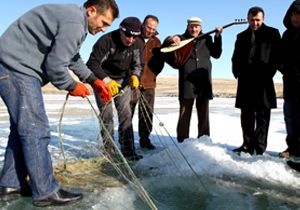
(60, 131)
(135, 184)
(145, 103)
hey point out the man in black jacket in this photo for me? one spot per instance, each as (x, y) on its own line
(195, 77)
(117, 58)
(254, 63)
(291, 83)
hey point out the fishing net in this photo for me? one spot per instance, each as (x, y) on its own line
(89, 174)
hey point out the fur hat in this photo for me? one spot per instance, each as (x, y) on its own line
(131, 25)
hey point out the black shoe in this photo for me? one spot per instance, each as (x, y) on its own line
(294, 165)
(146, 144)
(133, 157)
(9, 193)
(243, 149)
(61, 197)
(180, 139)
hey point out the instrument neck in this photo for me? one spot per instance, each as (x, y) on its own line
(212, 31)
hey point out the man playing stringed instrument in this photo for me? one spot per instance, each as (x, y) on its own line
(195, 77)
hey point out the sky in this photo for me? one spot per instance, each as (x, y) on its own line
(225, 180)
(173, 16)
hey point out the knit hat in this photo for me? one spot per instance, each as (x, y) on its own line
(131, 25)
(194, 21)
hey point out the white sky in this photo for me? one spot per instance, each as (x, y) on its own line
(173, 16)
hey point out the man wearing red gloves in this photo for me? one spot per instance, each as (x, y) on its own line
(40, 47)
(118, 60)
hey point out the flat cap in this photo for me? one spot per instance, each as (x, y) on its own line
(194, 21)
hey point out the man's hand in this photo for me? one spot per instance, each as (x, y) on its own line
(101, 89)
(219, 30)
(80, 90)
(113, 87)
(174, 39)
(134, 82)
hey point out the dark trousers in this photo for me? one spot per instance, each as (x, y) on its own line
(145, 99)
(255, 126)
(291, 112)
(125, 131)
(185, 113)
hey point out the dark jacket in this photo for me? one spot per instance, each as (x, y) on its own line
(154, 62)
(195, 74)
(291, 57)
(254, 66)
(110, 58)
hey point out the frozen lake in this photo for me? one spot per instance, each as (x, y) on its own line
(197, 174)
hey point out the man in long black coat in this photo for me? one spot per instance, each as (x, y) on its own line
(195, 77)
(254, 63)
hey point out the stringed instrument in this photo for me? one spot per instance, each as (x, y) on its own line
(176, 55)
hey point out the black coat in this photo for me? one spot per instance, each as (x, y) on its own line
(110, 58)
(195, 74)
(255, 72)
(291, 57)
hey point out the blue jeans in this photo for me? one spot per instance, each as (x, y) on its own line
(27, 149)
(291, 112)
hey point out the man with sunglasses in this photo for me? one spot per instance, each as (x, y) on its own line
(145, 95)
(117, 59)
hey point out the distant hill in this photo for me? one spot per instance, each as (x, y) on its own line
(168, 86)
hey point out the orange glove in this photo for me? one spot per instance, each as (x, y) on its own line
(113, 87)
(80, 90)
(134, 81)
(102, 90)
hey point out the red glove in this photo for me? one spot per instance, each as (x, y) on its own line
(80, 90)
(102, 90)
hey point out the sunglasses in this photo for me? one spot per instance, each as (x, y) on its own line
(128, 34)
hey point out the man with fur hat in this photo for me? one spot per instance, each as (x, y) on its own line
(290, 70)
(195, 82)
(117, 59)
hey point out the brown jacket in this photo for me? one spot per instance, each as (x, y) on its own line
(153, 62)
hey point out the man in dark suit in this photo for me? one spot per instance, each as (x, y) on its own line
(254, 63)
